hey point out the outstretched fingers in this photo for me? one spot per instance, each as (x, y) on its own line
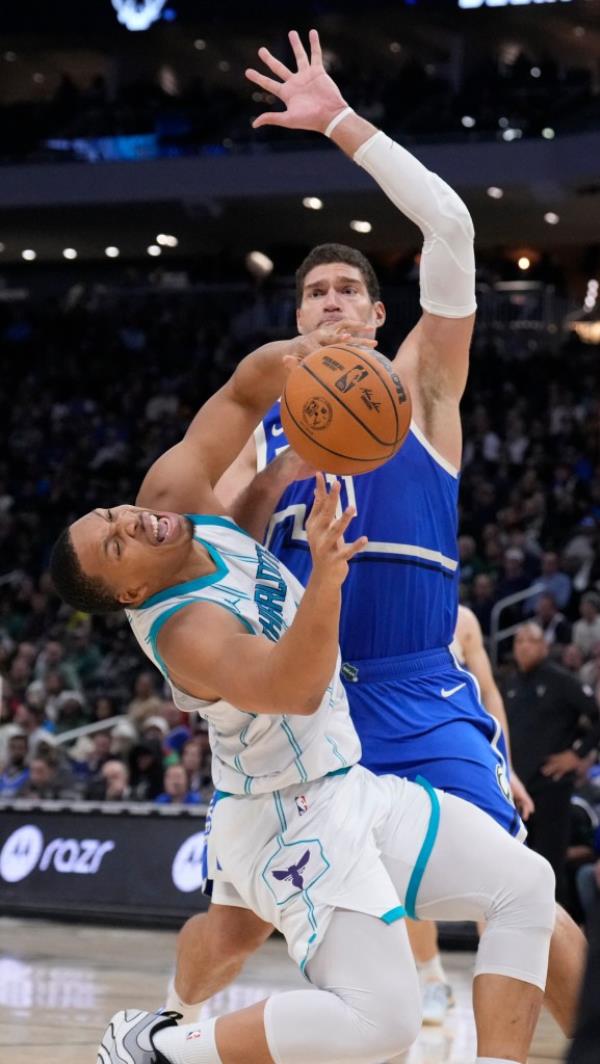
(350, 549)
(316, 55)
(274, 87)
(275, 65)
(298, 50)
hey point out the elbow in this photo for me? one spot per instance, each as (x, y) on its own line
(298, 705)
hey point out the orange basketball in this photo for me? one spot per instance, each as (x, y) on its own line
(345, 410)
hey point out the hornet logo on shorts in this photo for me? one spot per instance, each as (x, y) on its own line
(293, 873)
(294, 868)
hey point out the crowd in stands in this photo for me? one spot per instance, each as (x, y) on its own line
(408, 95)
(95, 388)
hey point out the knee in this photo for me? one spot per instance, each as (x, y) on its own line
(529, 897)
(398, 1022)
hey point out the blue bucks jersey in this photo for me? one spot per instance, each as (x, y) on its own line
(401, 594)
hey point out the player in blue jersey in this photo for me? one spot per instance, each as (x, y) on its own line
(302, 835)
(415, 709)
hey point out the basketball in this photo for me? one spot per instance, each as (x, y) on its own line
(345, 410)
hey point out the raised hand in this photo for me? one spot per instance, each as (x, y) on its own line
(355, 333)
(310, 95)
(325, 532)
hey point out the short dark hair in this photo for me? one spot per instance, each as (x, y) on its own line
(78, 590)
(324, 254)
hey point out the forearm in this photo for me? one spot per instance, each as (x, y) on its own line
(252, 508)
(303, 661)
(447, 262)
(492, 700)
(259, 379)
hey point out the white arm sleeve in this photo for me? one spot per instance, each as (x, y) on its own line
(447, 260)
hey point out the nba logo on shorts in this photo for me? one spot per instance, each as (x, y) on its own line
(301, 804)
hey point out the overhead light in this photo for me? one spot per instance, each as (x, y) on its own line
(551, 218)
(224, 65)
(29, 255)
(312, 203)
(360, 226)
(512, 133)
(199, 44)
(468, 121)
(10, 56)
(395, 47)
(494, 192)
(69, 253)
(524, 263)
(586, 322)
(166, 240)
(548, 133)
(112, 252)
(154, 250)
(2, 246)
(259, 264)
(579, 31)
(535, 72)
(38, 78)
(503, 122)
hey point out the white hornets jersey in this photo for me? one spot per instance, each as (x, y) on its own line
(252, 753)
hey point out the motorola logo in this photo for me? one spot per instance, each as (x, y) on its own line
(25, 851)
(187, 865)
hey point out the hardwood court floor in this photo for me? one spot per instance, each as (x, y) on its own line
(60, 983)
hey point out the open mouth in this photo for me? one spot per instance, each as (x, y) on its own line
(160, 528)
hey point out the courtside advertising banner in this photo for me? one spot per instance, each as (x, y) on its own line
(91, 865)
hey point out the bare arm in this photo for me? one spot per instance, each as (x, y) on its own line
(470, 636)
(199, 643)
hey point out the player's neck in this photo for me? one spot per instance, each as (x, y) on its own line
(195, 564)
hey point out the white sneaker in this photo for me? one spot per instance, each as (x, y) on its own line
(129, 1037)
(437, 999)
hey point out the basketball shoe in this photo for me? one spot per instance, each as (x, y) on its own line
(130, 1037)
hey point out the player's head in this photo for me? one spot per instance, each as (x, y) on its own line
(110, 559)
(530, 647)
(336, 282)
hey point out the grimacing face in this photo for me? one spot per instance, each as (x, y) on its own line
(334, 292)
(133, 550)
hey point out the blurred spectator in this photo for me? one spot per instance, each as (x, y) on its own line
(146, 771)
(556, 583)
(195, 758)
(483, 600)
(590, 671)
(145, 701)
(154, 729)
(588, 886)
(177, 788)
(111, 784)
(586, 631)
(571, 659)
(553, 623)
(513, 578)
(47, 779)
(15, 772)
(544, 706)
(70, 711)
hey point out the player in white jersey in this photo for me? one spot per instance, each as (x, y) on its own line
(308, 839)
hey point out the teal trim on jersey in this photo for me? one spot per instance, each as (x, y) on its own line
(425, 852)
(296, 748)
(304, 962)
(224, 522)
(156, 626)
(392, 915)
(340, 771)
(336, 752)
(190, 585)
(280, 810)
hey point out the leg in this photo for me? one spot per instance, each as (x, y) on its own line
(566, 966)
(366, 1011)
(477, 871)
(211, 951)
(437, 992)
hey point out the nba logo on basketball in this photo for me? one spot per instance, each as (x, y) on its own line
(301, 804)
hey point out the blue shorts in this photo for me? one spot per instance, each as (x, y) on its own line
(421, 715)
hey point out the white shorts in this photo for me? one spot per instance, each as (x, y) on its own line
(296, 855)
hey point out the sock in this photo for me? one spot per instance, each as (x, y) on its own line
(432, 971)
(494, 1060)
(189, 1013)
(192, 1043)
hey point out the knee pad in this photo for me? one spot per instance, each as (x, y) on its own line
(521, 920)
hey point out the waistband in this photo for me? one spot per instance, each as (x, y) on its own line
(370, 670)
(217, 795)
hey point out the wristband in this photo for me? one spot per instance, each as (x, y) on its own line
(336, 121)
